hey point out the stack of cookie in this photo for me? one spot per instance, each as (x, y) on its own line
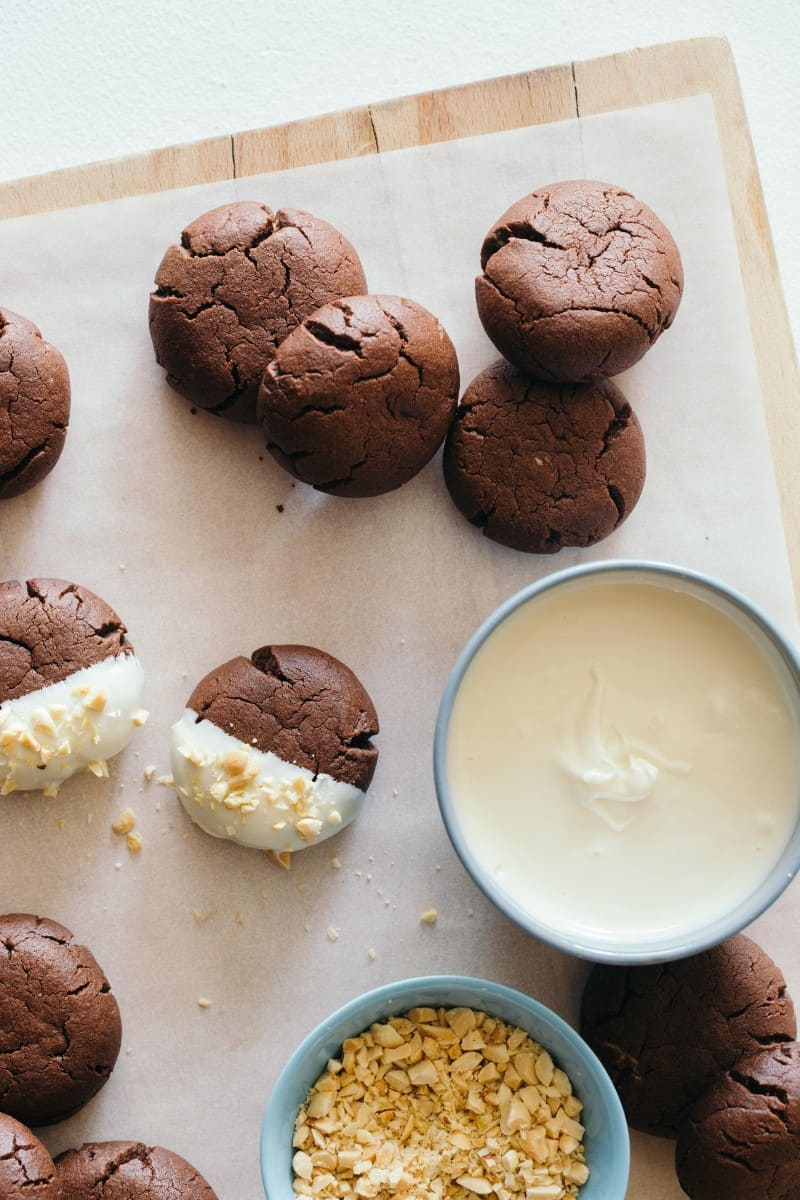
(704, 1050)
(60, 1035)
(579, 279)
(262, 315)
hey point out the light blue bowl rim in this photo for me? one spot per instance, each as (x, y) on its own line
(395, 996)
(713, 933)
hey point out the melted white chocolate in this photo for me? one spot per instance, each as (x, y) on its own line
(254, 798)
(77, 724)
(623, 759)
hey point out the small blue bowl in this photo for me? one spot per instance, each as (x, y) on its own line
(606, 1139)
(761, 628)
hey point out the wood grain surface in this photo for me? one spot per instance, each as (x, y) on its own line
(636, 77)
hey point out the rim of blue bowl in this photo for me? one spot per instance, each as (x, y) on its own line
(706, 936)
(397, 997)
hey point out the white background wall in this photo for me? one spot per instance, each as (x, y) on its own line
(91, 79)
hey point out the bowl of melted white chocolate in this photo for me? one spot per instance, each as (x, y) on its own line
(617, 761)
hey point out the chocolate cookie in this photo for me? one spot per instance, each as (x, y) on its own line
(360, 396)
(128, 1171)
(741, 1139)
(26, 1169)
(70, 684)
(579, 279)
(34, 405)
(665, 1032)
(241, 279)
(538, 466)
(274, 751)
(60, 1027)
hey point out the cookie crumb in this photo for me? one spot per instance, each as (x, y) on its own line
(149, 772)
(335, 863)
(134, 841)
(166, 781)
(203, 1002)
(51, 791)
(124, 822)
(428, 917)
(333, 934)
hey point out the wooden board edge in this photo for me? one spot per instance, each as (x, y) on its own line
(531, 97)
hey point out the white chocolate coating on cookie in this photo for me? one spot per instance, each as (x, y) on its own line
(77, 724)
(252, 797)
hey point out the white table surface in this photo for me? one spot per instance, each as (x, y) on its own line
(83, 80)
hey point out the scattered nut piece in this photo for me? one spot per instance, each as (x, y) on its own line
(166, 781)
(333, 934)
(428, 917)
(61, 822)
(134, 841)
(337, 866)
(203, 1002)
(124, 822)
(283, 859)
(239, 918)
(148, 773)
(51, 791)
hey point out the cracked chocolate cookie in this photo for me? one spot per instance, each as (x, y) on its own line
(538, 466)
(34, 405)
(579, 279)
(665, 1032)
(239, 282)
(60, 1027)
(741, 1139)
(128, 1171)
(275, 751)
(360, 396)
(70, 684)
(26, 1168)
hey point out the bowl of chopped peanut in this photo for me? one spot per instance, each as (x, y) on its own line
(444, 1088)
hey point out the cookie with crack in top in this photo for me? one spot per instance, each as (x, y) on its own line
(60, 1026)
(360, 396)
(239, 282)
(26, 1168)
(538, 466)
(34, 405)
(741, 1139)
(70, 684)
(665, 1032)
(274, 752)
(128, 1171)
(579, 279)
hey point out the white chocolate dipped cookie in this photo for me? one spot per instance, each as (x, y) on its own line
(70, 685)
(274, 752)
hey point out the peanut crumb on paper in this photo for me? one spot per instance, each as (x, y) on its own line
(333, 934)
(165, 781)
(428, 917)
(134, 841)
(61, 822)
(239, 918)
(124, 822)
(203, 1002)
(149, 772)
(335, 863)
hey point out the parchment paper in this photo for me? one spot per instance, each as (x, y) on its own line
(393, 586)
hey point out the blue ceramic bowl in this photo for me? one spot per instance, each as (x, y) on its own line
(606, 1140)
(600, 949)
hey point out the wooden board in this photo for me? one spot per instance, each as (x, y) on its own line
(624, 80)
